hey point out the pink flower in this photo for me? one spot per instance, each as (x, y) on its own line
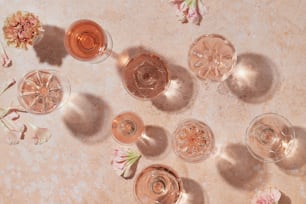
(22, 29)
(267, 196)
(189, 10)
(123, 160)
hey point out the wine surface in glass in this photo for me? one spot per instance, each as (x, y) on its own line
(146, 76)
(212, 57)
(270, 137)
(193, 140)
(40, 91)
(85, 40)
(127, 127)
(158, 184)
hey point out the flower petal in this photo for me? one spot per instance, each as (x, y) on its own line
(123, 160)
(41, 135)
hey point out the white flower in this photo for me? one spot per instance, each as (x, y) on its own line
(123, 160)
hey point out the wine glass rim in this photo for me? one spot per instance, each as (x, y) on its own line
(201, 157)
(66, 89)
(141, 130)
(253, 121)
(228, 43)
(147, 54)
(164, 167)
(101, 55)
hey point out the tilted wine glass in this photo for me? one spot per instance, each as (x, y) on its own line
(127, 128)
(158, 183)
(270, 137)
(146, 76)
(86, 40)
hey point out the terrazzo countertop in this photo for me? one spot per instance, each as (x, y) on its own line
(74, 165)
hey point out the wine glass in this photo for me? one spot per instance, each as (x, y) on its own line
(212, 57)
(146, 76)
(43, 91)
(193, 140)
(158, 184)
(127, 127)
(270, 137)
(86, 40)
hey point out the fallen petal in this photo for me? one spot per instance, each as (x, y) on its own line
(8, 85)
(41, 135)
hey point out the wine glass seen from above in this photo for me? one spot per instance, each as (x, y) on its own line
(146, 76)
(158, 184)
(43, 91)
(270, 137)
(193, 140)
(127, 128)
(86, 40)
(212, 57)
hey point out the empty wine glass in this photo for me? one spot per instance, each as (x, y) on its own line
(86, 40)
(270, 137)
(193, 140)
(212, 57)
(158, 184)
(43, 91)
(127, 127)
(146, 76)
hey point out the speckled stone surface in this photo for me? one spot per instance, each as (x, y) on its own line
(74, 166)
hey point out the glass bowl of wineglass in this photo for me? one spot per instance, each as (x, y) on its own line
(270, 137)
(158, 183)
(42, 91)
(127, 128)
(146, 76)
(212, 57)
(86, 40)
(193, 140)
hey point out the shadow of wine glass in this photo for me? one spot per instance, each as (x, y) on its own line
(181, 92)
(295, 163)
(255, 78)
(50, 48)
(284, 199)
(193, 193)
(154, 142)
(239, 169)
(86, 115)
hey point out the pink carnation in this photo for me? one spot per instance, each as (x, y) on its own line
(22, 29)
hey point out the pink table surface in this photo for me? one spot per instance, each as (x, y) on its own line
(74, 165)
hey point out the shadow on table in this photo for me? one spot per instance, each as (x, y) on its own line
(193, 193)
(239, 169)
(295, 164)
(86, 115)
(181, 92)
(50, 48)
(154, 142)
(284, 199)
(255, 78)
